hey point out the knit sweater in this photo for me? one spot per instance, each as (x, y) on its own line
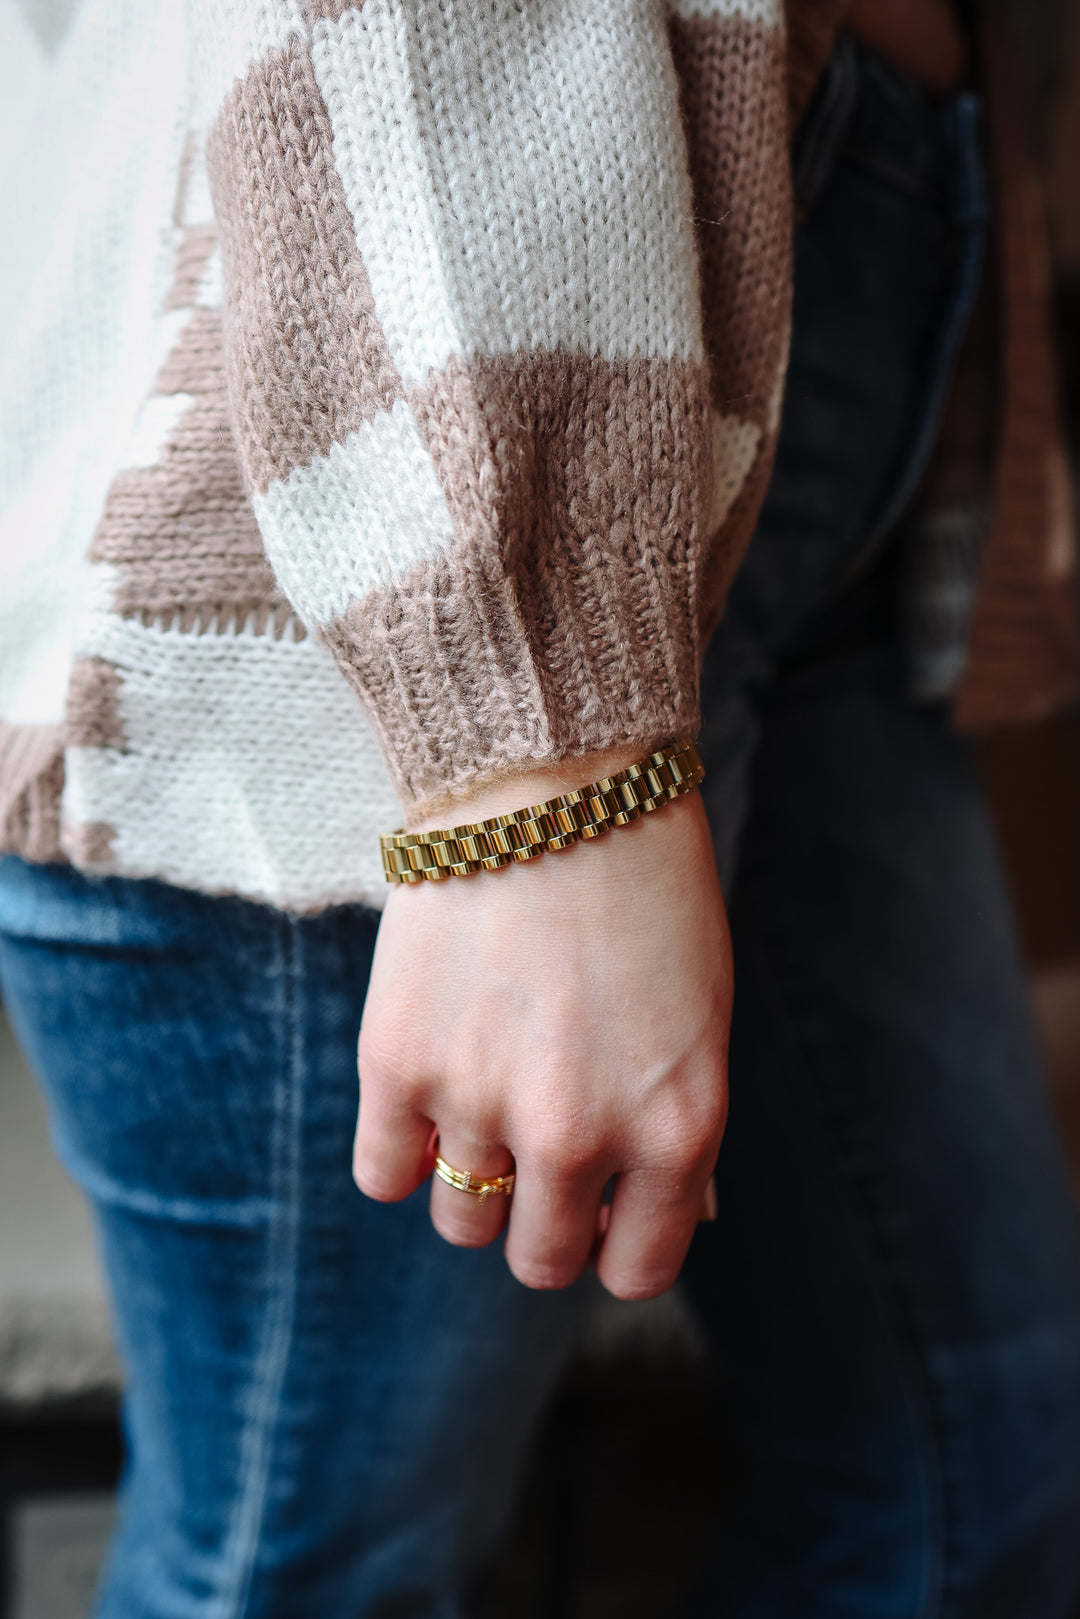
(390, 392)
(442, 460)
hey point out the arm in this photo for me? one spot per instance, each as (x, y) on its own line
(472, 398)
(467, 371)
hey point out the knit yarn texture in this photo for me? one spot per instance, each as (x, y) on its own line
(390, 412)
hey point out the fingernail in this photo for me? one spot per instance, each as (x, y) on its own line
(708, 1203)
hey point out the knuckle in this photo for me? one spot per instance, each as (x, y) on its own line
(687, 1142)
(698, 1158)
(560, 1152)
(543, 1276)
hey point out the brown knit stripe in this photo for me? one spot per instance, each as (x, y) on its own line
(731, 74)
(192, 255)
(195, 364)
(1024, 656)
(92, 718)
(579, 493)
(308, 356)
(181, 533)
(89, 844)
(31, 782)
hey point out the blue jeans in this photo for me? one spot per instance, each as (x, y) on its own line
(893, 1284)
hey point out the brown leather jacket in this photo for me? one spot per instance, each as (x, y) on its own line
(1002, 435)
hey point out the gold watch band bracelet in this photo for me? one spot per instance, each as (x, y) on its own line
(413, 857)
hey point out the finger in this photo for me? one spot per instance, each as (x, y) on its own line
(392, 1148)
(553, 1224)
(464, 1218)
(706, 1213)
(653, 1217)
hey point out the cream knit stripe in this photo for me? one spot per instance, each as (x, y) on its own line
(767, 13)
(735, 447)
(227, 36)
(246, 768)
(356, 519)
(88, 148)
(516, 176)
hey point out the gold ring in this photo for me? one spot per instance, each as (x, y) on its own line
(483, 1187)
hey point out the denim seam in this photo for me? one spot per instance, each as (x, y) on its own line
(932, 1424)
(824, 128)
(282, 1251)
(960, 122)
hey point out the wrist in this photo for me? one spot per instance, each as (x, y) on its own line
(492, 841)
(526, 784)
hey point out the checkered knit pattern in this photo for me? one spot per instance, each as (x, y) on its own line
(387, 411)
(446, 462)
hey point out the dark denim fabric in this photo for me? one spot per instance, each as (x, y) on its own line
(887, 256)
(893, 1285)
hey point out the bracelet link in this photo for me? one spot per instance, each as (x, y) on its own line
(520, 835)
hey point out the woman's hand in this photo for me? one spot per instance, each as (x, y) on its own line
(567, 1018)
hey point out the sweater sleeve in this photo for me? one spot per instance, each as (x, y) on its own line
(466, 362)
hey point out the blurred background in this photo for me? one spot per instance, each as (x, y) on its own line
(590, 1542)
